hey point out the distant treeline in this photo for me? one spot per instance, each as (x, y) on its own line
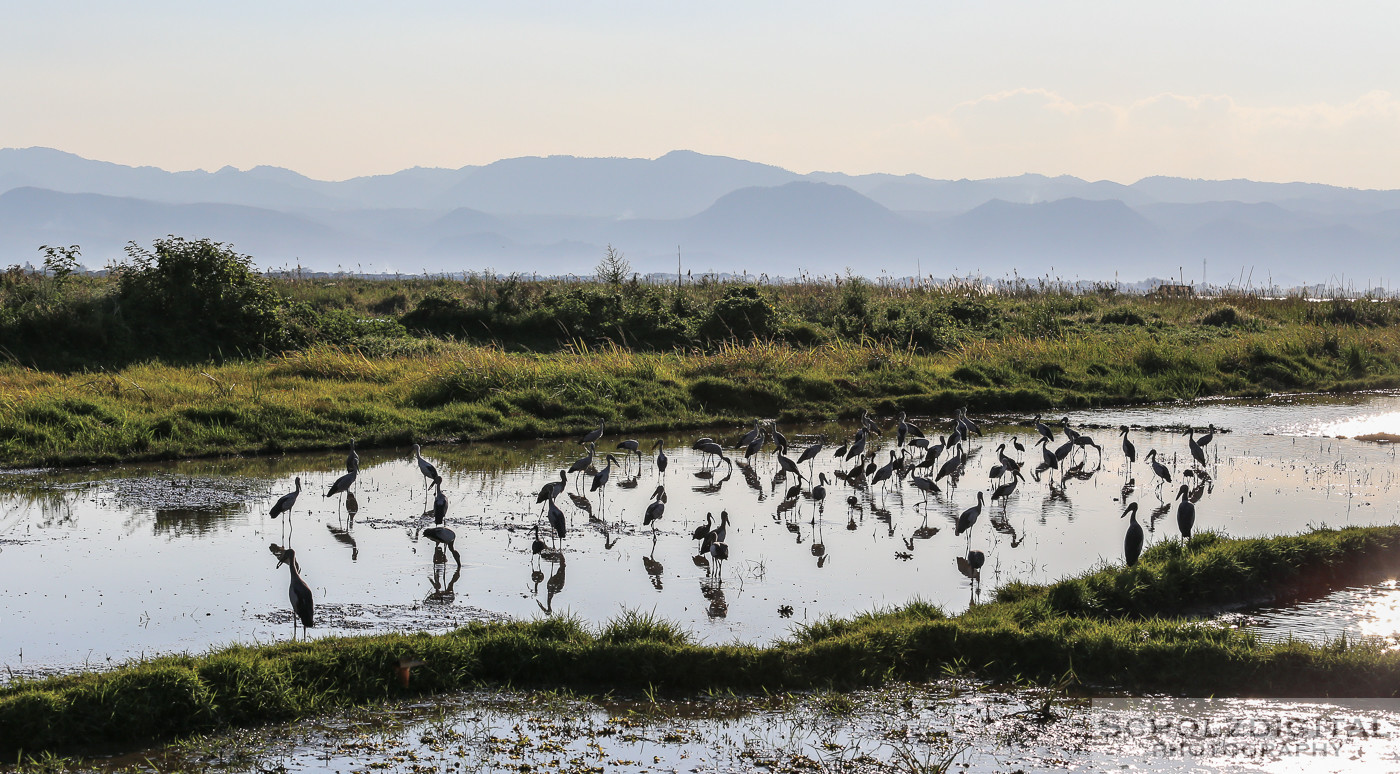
(185, 300)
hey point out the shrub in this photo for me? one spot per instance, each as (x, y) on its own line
(742, 313)
(1122, 316)
(198, 299)
(1222, 316)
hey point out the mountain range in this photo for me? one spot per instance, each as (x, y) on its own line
(556, 215)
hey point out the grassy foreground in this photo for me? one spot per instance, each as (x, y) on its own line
(1109, 628)
(318, 398)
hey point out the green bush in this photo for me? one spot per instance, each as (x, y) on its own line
(1222, 316)
(1122, 316)
(743, 313)
(198, 299)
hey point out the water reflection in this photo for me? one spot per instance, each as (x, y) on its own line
(1039, 529)
(555, 583)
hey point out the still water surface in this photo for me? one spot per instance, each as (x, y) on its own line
(102, 565)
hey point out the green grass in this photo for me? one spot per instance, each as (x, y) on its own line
(1110, 628)
(318, 398)
(484, 358)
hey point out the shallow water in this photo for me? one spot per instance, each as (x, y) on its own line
(1369, 612)
(108, 564)
(969, 727)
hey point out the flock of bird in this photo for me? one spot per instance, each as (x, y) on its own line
(933, 468)
(299, 592)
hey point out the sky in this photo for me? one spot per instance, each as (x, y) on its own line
(1275, 90)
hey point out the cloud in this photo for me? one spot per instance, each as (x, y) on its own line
(1202, 135)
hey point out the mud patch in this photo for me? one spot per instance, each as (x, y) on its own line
(433, 615)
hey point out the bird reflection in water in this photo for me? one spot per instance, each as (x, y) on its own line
(1157, 513)
(1001, 524)
(971, 568)
(553, 586)
(715, 483)
(819, 545)
(751, 478)
(582, 503)
(343, 536)
(924, 532)
(653, 568)
(442, 593)
(712, 589)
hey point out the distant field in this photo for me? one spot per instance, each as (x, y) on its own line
(193, 353)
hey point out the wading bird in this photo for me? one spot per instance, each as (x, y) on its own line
(553, 489)
(426, 468)
(719, 553)
(789, 466)
(285, 502)
(969, 517)
(1129, 450)
(444, 537)
(299, 593)
(967, 425)
(713, 449)
(1048, 459)
(1132, 542)
(661, 461)
(1004, 491)
(1157, 467)
(702, 531)
(924, 485)
(600, 479)
(439, 503)
(819, 491)
(593, 436)
(583, 463)
(342, 484)
(657, 509)
(1185, 512)
(1205, 440)
(884, 472)
(948, 467)
(748, 438)
(632, 447)
(556, 520)
(352, 460)
(1197, 453)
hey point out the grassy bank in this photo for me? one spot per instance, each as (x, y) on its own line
(188, 351)
(434, 390)
(1110, 628)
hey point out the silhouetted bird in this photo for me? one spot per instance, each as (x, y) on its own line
(299, 593)
(286, 501)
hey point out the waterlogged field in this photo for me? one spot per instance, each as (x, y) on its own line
(951, 725)
(105, 565)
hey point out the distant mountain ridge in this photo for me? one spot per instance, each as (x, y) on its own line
(555, 215)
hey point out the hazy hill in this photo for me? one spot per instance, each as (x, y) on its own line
(556, 214)
(102, 225)
(679, 184)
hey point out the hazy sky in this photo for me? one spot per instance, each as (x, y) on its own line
(1275, 90)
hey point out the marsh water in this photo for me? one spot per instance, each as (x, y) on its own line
(949, 725)
(105, 564)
